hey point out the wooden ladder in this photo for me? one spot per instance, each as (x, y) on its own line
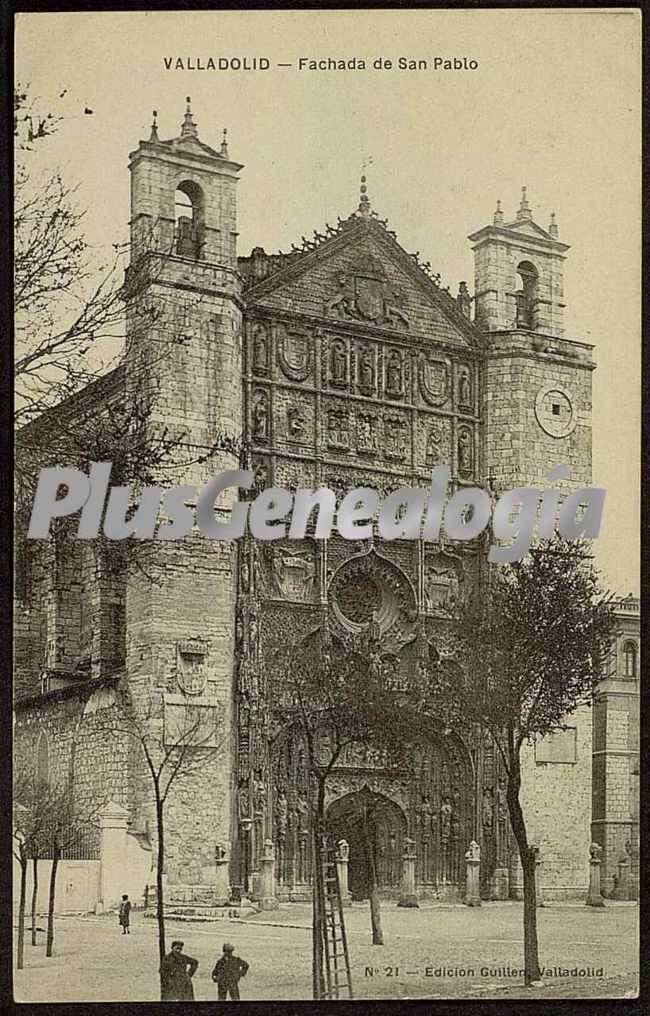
(337, 958)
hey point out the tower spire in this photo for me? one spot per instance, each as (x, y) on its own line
(524, 212)
(553, 226)
(154, 127)
(224, 144)
(364, 201)
(188, 127)
(498, 215)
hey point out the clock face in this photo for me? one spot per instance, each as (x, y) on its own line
(555, 411)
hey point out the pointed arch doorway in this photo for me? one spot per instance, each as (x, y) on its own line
(374, 827)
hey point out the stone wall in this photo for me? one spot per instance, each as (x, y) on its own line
(83, 750)
(518, 451)
(556, 799)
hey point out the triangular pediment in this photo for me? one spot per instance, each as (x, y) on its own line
(529, 228)
(190, 144)
(361, 277)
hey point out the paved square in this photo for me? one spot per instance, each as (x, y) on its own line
(437, 951)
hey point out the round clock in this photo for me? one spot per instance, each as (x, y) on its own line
(555, 411)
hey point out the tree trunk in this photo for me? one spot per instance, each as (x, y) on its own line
(531, 954)
(370, 845)
(20, 945)
(50, 906)
(318, 915)
(34, 896)
(160, 869)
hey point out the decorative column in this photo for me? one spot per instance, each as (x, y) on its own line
(342, 860)
(267, 881)
(622, 890)
(594, 896)
(112, 851)
(539, 861)
(409, 896)
(472, 886)
(246, 824)
(222, 876)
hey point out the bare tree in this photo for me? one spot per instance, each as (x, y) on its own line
(171, 751)
(530, 652)
(29, 814)
(65, 825)
(333, 695)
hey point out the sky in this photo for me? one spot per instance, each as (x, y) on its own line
(554, 105)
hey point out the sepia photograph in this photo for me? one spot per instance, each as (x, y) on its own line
(327, 431)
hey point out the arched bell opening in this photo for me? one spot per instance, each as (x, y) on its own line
(188, 219)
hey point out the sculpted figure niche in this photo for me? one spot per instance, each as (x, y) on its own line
(338, 363)
(260, 416)
(394, 373)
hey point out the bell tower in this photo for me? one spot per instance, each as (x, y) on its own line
(183, 367)
(518, 273)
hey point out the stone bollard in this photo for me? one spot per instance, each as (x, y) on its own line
(539, 861)
(112, 850)
(222, 876)
(267, 879)
(342, 861)
(594, 896)
(473, 859)
(409, 896)
(622, 890)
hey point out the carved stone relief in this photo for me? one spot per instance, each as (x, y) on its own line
(260, 415)
(293, 574)
(443, 576)
(296, 425)
(432, 451)
(294, 353)
(395, 438)
(261, 344)
(366, 370)
(338, 429)
(394, 374)
(465, 400)
(434, 380)
(191, 659)
(465, 445)
(365, 294)
(337, 362)
(366, 433)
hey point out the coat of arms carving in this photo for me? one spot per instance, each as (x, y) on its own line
(294, 353)
(366, 294)
(434, 380)
(191, 666)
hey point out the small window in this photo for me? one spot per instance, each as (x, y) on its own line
(556, 409)
(629, 656)
(43, 759)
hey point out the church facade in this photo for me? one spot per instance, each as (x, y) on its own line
(343, 363)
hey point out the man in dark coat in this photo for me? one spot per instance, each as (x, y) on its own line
(176, 972)
(227, 972)
(125, 914)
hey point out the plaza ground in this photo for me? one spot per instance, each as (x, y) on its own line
(438, 951)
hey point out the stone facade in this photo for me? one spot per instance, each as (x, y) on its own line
(616, 760)
(340, 364)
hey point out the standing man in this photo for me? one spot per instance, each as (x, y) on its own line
(176, 972)
(125, 914)
(227, 972)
